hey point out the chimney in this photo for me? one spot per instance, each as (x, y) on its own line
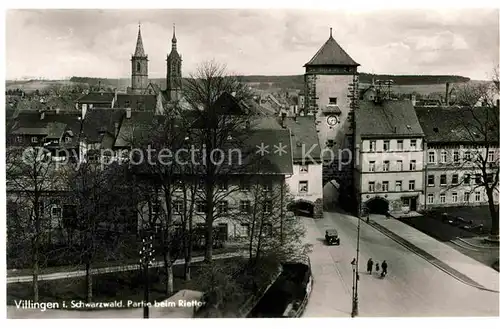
(116, 129)
(58, 110)
(129, 112)
(233, 94)
(414, 100)
(283, 116)
(42, 115)
(446, 99)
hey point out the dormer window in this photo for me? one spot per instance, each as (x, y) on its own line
(332, 101)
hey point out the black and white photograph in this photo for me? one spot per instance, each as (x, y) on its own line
(316, 162)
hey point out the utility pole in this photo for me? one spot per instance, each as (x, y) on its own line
(146, 260)
(355, 276)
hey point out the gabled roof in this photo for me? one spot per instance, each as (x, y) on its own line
(390, 118)
(137, 102)
(97, 98)
(135, 129)
(304, 137)
(331, 54)
(55, 129)
(458, 124)
(30, 122)
(99, 122)
(226, 104)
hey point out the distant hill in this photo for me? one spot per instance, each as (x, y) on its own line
(262, 82)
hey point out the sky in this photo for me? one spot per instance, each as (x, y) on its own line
(56, 44)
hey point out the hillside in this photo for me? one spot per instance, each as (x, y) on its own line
(422, 83)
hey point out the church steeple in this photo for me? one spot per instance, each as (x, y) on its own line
(139, 48)
(174, 71)
(139, 67)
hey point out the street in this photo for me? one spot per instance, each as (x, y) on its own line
(412, 287)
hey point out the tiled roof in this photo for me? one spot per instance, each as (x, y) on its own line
(55, 129)
(137, 102)
(331, 54)
(226, 104)
(97, 98)
(135, 129)
(32, 120)
(304, 136)
(390, 118)
(458, 124)
(99, 122)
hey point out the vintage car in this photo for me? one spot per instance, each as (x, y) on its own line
(332, 237)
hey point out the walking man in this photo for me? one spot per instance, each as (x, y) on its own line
(369, 266)
(377, 267)
(384, 268)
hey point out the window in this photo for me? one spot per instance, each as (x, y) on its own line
(400, 145)
(19, 139)
(267, 186)
(406, 202)
(411, 185)
(489, 178)
(466, 196)
(267, 207)
(332, 100)
(267, 230)
(371, 186)
(127, 103)
(467, 179)
(330, 143)
(413, 164)
(431, 157)
(454, 179)
(467, 156)
(223, 185)
(34, 139)
(442, 179)
(386, 145)
(456, 156)
(155, 208)
(56, 212)
(385, 186)
(400, 165)
(245, 230)
(67, 139)
(178, 206)
(478, 179)
(477, 196)
(373, 146)
(442, 198)
(444, 157)
(223, 207)
(413, 144)
(304, 169)
(386, 166)
(371, 166)
(491, 156)
(430, 198)
(398, 185)
(244, 185)
(430, 180)
(303, 186)
(454, 197)
(201, 207)
(245, 206)
(138, 67)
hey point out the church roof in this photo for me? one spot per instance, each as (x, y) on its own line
(331, 54)
(139, 48)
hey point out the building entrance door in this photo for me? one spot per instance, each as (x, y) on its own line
(413, 204)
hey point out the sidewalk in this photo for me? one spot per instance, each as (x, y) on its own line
(455, 263)
(111, 269)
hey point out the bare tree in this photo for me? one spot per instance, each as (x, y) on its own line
(478, 124)
(31, 175)
(213, 128)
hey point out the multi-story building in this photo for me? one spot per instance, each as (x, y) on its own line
(330, 93)
(455, 154)
(389, 157)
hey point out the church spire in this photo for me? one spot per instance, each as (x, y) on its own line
(331, 33)
(174, 41)
(139, 48)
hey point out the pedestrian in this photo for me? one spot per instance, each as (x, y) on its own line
(367, 219)
(377, 267)
(384, 268)
(369, 266)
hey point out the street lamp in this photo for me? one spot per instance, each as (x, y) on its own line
(355, 276)
(146, 259)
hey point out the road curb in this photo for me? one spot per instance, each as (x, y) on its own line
(464, 246)
(476, 246)
(408, 245)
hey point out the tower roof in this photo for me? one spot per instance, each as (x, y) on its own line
(331, 54)
(139, 48)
